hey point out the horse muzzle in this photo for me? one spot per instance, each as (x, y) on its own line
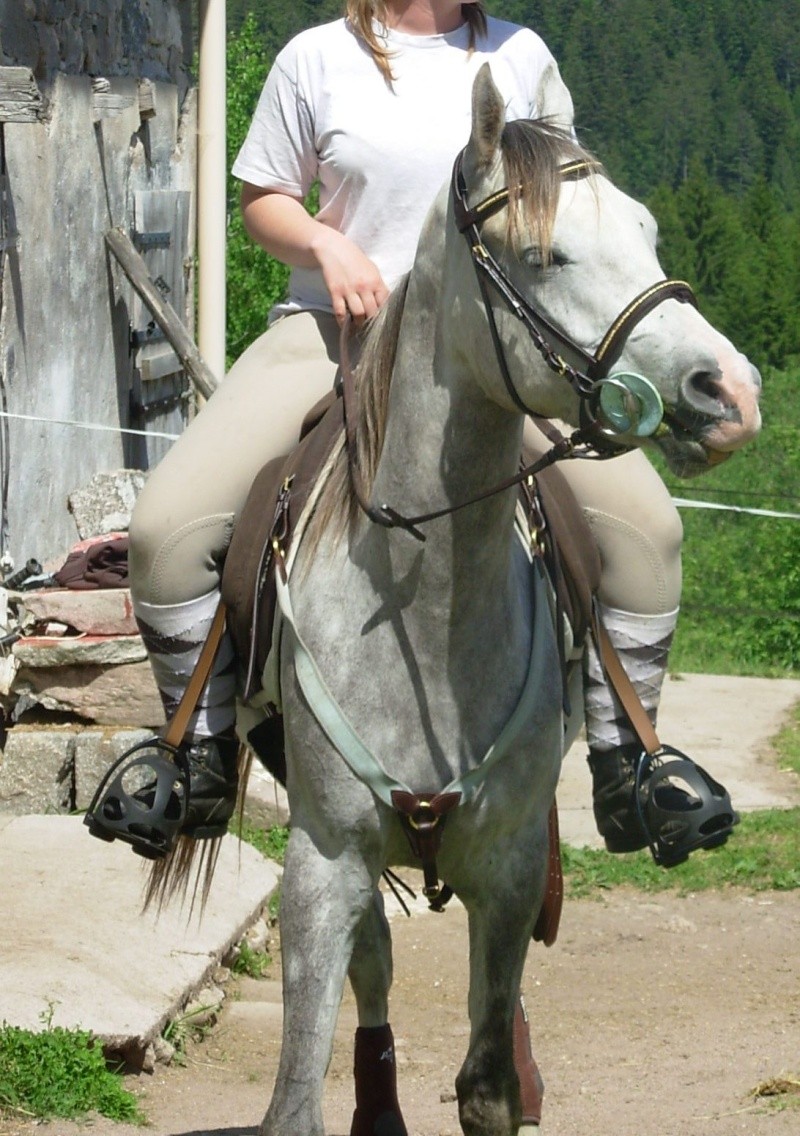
(716, 413)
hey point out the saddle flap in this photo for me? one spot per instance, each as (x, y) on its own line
(248, 578)
(576, 573)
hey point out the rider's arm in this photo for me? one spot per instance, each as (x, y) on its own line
(281, 224)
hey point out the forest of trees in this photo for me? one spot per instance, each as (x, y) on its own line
(695, 108)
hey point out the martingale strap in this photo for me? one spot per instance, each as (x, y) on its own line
(426, 813)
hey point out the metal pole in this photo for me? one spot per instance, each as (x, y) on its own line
(211, 185)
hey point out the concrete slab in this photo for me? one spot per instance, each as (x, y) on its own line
(722, 722)
(77, 950)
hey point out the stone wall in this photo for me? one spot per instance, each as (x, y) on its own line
(148, 38)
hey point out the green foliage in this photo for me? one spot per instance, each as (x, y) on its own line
(60, 1073)
(740, 609)
(251, 962)
(255, 281)
(762, 854)
(270, 842)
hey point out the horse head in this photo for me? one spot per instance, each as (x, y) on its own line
(560, 250)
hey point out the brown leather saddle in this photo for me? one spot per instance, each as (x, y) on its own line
(264, 533)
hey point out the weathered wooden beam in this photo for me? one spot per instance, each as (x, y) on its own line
(20, 97)
(164, 314)
(147, 99)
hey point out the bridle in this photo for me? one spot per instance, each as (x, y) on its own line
(544, 334)
(586, 379)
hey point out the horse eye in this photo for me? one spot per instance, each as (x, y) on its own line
(533, 258)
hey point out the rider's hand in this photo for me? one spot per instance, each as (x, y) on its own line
(281, 225)
(354, 282)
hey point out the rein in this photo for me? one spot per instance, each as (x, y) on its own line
(384, 514)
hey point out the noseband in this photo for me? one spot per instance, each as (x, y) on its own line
(549, 341)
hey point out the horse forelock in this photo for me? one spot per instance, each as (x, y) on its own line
(533, 152)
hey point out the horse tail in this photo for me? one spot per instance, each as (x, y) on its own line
(187, 871)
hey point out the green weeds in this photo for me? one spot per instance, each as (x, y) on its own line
(60, 1073)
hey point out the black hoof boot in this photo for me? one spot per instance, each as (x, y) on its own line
(155, 792)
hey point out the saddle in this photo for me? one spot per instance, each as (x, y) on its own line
(263, 536)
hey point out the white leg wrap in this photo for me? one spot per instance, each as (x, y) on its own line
(642, 643)
(174, 635)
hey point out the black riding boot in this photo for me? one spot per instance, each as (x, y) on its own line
(614, 799)
(213, 785)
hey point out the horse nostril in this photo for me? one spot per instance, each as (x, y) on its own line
(702, 391)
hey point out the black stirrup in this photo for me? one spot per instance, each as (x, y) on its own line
(681, 807)
(142, 799)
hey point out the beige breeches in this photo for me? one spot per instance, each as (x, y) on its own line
(184, 517)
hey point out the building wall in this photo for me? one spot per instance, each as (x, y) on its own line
(149, 38)
(68, 312)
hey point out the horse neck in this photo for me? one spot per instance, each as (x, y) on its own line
(446, 443)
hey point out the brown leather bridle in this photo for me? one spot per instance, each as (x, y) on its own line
(545, 334)
(589, 440)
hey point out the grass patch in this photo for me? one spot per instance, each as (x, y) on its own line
(60, 1074)
(762, 854)
(270, 842)
(787, 743)
(249, 961)
(778, 1093)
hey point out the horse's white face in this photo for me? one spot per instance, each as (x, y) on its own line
(603, 257)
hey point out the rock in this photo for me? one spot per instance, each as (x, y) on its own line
(36, 771)
(107, 611)
(124, 695)
(106, 503)
(204, 1007)
(79, 650)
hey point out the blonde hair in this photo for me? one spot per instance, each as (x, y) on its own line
(362, 13)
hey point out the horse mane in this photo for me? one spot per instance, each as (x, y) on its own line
(337, 508)
(533, 152)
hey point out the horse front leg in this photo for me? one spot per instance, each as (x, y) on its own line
(323, 900)
(375, 1068)
(501, 919)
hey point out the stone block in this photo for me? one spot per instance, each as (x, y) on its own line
(107, 611)
(266, 803)
(106, 503)
(36, 652)
(124, 695)
(95, 752)
(36, 771)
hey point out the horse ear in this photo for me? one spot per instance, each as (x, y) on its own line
(488, 120)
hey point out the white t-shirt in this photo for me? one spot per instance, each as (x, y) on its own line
(381, 153)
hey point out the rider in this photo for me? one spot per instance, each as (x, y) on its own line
(374, 107)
